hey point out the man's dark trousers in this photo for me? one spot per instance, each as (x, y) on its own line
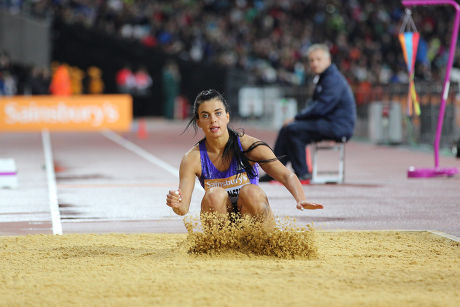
(292, 140)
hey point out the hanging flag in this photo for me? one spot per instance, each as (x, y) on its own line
(409, 43)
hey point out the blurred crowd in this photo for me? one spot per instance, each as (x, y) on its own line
(8, 76)
(269, 39)
(58, 79)
(136, 82)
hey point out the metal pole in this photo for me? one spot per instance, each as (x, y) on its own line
(445, 87)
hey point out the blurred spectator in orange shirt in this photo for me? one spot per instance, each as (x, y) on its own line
(95, 83)
(61, 83)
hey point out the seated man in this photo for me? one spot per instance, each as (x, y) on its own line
(330, 115)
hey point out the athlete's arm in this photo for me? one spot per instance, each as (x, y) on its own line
(278, 171)
(179, 200)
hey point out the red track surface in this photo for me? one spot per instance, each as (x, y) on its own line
(103, 187)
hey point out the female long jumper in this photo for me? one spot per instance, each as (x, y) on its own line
(226, 164)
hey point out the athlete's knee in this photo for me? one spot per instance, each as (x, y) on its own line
(252, 199)
(215, 199)
(252, 192)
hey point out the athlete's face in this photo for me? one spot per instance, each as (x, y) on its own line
(319, 61)
(212, 117)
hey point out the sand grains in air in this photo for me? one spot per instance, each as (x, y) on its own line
(214, 236)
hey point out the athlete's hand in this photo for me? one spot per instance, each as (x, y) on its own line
(306, 205)
(174, 199)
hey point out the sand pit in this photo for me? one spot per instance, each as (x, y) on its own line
(349, 269)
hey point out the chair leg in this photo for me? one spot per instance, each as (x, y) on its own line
(341, 162)
(314, 161)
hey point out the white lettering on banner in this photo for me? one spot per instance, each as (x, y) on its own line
(111, 112)
(231, 184)
(61, 113)
(233, 181)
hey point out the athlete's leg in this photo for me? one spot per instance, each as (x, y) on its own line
(215, 200)
(215, 207)
(252, 201)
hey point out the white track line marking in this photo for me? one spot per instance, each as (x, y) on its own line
(445, 235)
(434, 232)
(52, 190)
(144, 154)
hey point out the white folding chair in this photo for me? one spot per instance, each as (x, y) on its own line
(328, 176)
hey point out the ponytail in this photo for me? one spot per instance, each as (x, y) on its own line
(232, 149)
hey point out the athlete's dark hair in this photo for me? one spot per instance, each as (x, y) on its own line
(232, 148)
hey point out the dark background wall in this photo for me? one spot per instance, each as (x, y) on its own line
(26, 40)
(79, 46)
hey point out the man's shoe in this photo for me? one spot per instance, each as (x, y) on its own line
(265, 178)
(307, 176)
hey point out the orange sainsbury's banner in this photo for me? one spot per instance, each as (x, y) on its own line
(59, 113)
